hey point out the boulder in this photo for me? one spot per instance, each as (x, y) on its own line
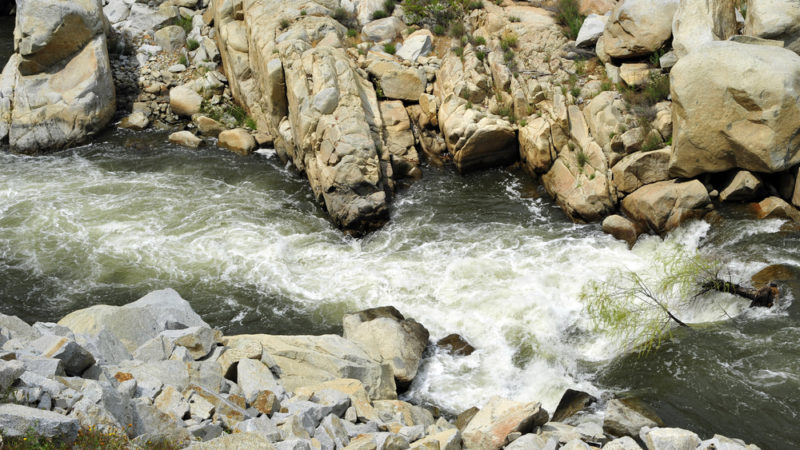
(605, 116)
(499, 418)
(352, 388)
(663, 206)
(743, 187)
(208, 126)
(389, 338)
(172, 403)
(622, 420)
(776, 208)
(476, 140)
(635, 74)
(777, 19)
(591, 30)
(397, 81)
(669, 439)
(403, 413)
(137, 322)
(238, 141)
(456, 345)
(135, 121)
(587, 7)
(18, 421)
(579, 181)
(415, 46)
(184, 101)
(171, 38)
(386, 29)
(307, 360)
(622, 229)
(150, 424)
(535, 146)
(698, 22)
(185, 139)
(572, 402)
(623, 443)
(253, 377)
(638, 27)
(733, 106)
(74, 358)
(244, 440)
(641, 168)
(399, 140)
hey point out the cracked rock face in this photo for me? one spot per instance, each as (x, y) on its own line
(58, 89)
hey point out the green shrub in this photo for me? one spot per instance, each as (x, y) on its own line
(580, 67)
(192, 45)
(351, 33)
(457, 30)
(459, 51)
(250, 123)
(184, 22)
(479, 40)
(508, 55)
(340, 15)
(514, 19)
(303, 12)
(284, 24)
(509, 42)
(606, 85)
(379, 14)
(575, 91)
(473, 5)
(389, 48)
(480, 55)
(568, 15)
(183, 60)
(388, 6)
(582, 159)
(439, 30)
(657, 88)
(437, 12)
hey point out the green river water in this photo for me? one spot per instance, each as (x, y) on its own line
(486, 255)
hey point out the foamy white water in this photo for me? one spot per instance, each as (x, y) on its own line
(241, 240)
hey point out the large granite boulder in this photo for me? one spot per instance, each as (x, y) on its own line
(698, 22)
(663, 206)
(137, 322)
(735, 106)
(579, 181)
(536, 149)
(308, 360)
(18, 420)
(316, 103)
(638, 27)
(499, 418)
(640, 168)
(389, 338)
(774, 19)
(57, 90)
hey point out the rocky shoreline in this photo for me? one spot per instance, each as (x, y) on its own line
(154, 371)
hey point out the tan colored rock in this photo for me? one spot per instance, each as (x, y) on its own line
(399, 140)
(663, 206)
(605, 116)
(236, 441)
(535, 147)
(389, 338)
(638, 27)
(733, 106)
(622, 229)
(599, 7)
(238, 141)
(444, 440)
(776, 208)
(578, 130)
(239, 348)
(637, 74)
(476, 140)
(399, 82)
(743, 187)
(796, 192)
(402, 413)
(170, 38)
(579, 181)
(497, 419)
(185, 101)
(352, 388)
(172, 403)
(641, 168)
(698, 22)
(136, 121)
(382, 29)
(208, 126)
(309, 360)
(777, 19)
(185, 139)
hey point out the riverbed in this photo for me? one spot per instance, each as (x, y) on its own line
(487, 255)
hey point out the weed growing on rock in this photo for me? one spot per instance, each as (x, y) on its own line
(514, 19)
(568, 15)
(183, 60)
(439, 30)
(582, 158)
(508, 42)
(480, 55)
(351, 33)
(192, 45)
(340, 15)
(478, 40)
(459, 51)
(652, 142)
(185, 23)
(284, 24)
(437, 12)
(457, 30)
(477, 4)
(389, 48)
(379, 14)
(303, 12)
(250, 123)
(388, 6)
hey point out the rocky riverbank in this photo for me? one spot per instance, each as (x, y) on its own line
(154, 371)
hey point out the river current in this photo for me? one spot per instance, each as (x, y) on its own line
(486, 255)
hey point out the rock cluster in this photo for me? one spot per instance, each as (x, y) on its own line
(155, 371)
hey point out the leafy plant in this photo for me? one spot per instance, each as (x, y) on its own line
(388, 6)
(184, 22)
(250, 123)
(582, 158)
(303, 12)
(183, 60)
(568, 15)
(389, 48)
(477, 4)
(580, 67)
(351, 33)
(192, 45)
(340, 15)
(479, 40)
(480, 55)
(508, 42)
(284, 24)
(514, 19)
(655, 57)
(508, 55)
(457, 30)
(575, 91)
(439, 30)
(652, 142)
(379, 14)
(459, 51)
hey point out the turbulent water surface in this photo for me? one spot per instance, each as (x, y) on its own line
(483, 255)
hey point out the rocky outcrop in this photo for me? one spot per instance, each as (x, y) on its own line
(698, 22)
(580, 183)
(389, 338)
(778, 19)
(640, 168)
(638, 27)
(321, 110)
(535, 146)
(661, 207)
(57, 90)
(733, 107)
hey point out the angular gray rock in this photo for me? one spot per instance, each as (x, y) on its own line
(621, 420)
(18, 420)
(74, 358)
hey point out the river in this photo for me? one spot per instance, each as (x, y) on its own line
(486, 255)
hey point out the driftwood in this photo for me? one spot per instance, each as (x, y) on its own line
(764, 297)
